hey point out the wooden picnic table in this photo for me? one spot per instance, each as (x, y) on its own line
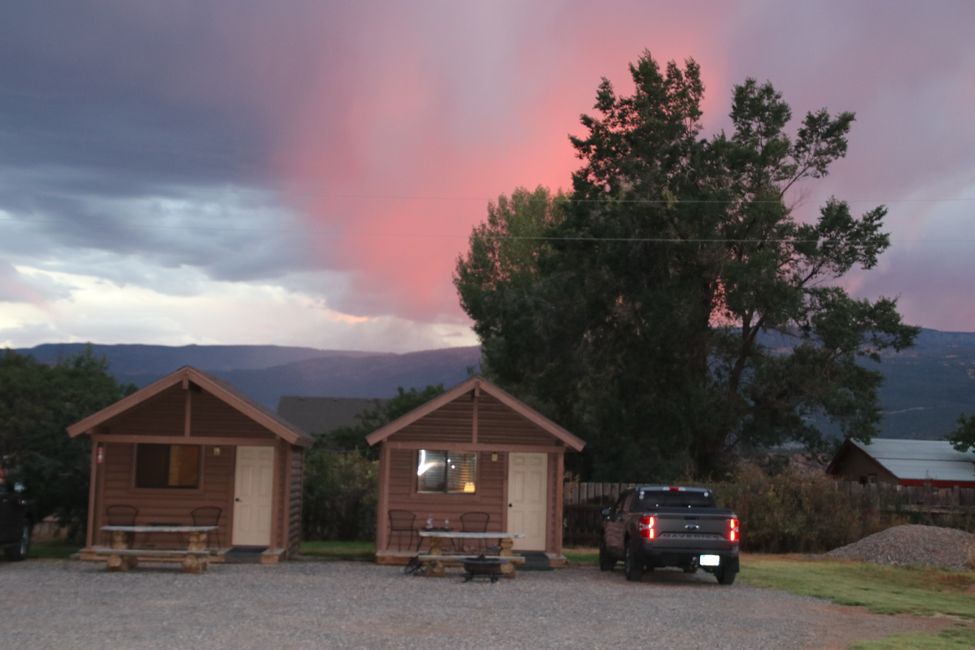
(123, 555)
(438, 560)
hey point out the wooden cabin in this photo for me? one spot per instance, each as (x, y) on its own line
(189, 441)
(473, 449)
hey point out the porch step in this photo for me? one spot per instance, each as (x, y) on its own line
(244, 555)
(534, 561)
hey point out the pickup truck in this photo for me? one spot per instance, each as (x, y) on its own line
(15, 520)
(654, 526)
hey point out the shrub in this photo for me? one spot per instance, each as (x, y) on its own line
(797, 512)
(339, 496)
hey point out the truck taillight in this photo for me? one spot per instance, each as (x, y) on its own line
(648, 527)
(734, 534)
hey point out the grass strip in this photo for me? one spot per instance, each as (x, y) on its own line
(330, 550)
(52, 550)
(581, 555)
(881, 589)
(954, 638)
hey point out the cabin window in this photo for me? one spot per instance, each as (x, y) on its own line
(167, 466)
(451, 472)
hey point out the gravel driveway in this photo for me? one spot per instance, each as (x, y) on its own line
(67, 605)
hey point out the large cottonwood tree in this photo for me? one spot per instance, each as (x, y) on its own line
(672, 309)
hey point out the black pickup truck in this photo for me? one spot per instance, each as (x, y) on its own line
(15, 520)
(660, 526)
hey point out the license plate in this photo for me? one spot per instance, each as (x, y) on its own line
(710, 560)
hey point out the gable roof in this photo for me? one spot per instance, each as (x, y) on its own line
(465, 387)
(324, 414)
(915, 460)
(216, 387)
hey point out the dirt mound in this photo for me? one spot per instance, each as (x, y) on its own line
(906, 545)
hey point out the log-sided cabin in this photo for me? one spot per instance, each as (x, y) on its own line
(189, 441)
(473, 449)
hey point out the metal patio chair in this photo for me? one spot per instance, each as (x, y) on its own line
(474, 522)
(119, 515)
(208, 516)
(402, 522)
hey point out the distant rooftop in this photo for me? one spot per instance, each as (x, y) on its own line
(934, 460)
(324, 414)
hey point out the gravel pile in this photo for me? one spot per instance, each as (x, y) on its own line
(907, 545)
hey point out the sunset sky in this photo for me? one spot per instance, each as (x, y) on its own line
(307, 172)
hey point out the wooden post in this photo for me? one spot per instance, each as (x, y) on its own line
(194, 563)
(92, 478)
(120, 540)
(382, 510)
(188, 410)
(507, 568)
(559, 502)
(477, 394)
(437, 569)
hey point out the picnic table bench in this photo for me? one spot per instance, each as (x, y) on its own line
(436, 560)
(122, 555)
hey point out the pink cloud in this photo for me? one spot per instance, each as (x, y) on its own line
(453, 105)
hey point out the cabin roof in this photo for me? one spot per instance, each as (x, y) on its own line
(216, 387)
(912, 460)
(465, 387)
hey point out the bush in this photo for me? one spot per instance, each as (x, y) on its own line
(339, 496)
(797, 512)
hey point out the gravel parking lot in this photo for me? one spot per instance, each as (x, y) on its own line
(67, 605)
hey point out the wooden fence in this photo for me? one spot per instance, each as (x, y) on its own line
(583, 503)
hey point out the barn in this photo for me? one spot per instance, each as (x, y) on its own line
(933, 463)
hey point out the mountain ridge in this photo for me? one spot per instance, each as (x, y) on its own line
(925, 387)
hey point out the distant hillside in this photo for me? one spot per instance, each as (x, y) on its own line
(926, 387)
(266, 372)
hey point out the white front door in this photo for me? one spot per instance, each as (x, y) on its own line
(527, 499)
(253, 496)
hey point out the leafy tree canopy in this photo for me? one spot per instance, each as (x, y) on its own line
(37, 403)
(963, 438)
(671, 309)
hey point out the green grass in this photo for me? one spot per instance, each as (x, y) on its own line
(52, 550)
(338, 550)
(956, 638)
(881, 589)
(581, 555)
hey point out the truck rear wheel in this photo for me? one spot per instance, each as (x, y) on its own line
(20, 551)
(606, 562)
(725, 575)
(632, 563)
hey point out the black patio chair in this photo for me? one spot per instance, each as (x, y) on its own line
(208, 516)
(402, 522)
(119, 515)
(474, 522)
